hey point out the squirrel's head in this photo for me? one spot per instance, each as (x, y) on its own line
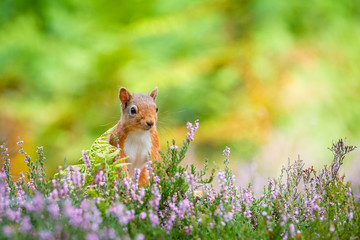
(139, 111)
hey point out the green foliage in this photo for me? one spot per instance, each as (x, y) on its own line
(262, 64)
(181, 203)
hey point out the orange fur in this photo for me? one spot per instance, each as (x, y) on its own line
(142, 121)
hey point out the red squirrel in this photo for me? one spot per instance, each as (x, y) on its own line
(136, 133)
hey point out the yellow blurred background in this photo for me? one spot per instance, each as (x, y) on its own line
(271, 79)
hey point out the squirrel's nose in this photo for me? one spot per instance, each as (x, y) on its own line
(150, 123)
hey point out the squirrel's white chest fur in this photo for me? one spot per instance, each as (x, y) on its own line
(137, 147)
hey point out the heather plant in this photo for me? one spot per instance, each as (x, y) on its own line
(94, 200)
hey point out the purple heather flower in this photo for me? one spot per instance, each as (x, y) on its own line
(65, 190)
(40, 149)
(247, 214)
(124, 216)
(142, 193)
(86, 160)
(170, 221)
(155, 202)
(126, 183)
(227, 155)
(137, 172)
(349, 192)
(91, 216)
(192, 130)
(196, 125)
(8, 231)
(191, 180)
(38, 201)
(183, 207)
(92, 236)
(268, 223)
(31, 184)
(211, 225)
(156, 179)
(296, 212)
(154, 219)
(46, 235)
(54, 194)
(20, 193)
(55, 183)
(228, 216)
(25, 225)
(142, 215)
(188, 230)
(173, 147)
(271, 183)
(222, 181)
(332, 228)
(321, 214)
(75, 177)
(100, 178)
(57, 191)
(74, 214)
(275, 193)
(13, 215)
(161, 214)
(20, 143)
(130, 214)
(292, 230)
(85, 205)
(248, 196)
(350, 215)
(111, 233)
(149, 167)
(53, 209)
(140, 237)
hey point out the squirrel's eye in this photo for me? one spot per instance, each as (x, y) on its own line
(157, 109)
(133, 110)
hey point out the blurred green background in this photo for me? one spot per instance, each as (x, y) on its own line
(269, 78)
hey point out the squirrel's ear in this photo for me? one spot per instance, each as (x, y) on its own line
(124, 95)
(153, 94)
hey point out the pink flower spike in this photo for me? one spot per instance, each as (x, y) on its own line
(192, 130)
(142, 215)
